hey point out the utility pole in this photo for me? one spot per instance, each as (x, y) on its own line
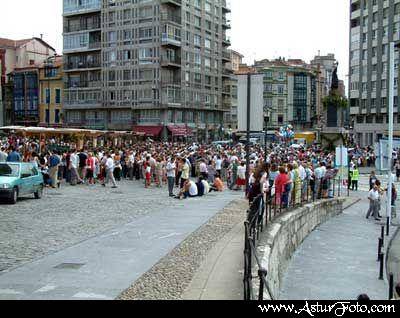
(248, 131)
(392, 47)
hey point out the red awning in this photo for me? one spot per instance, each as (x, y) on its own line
(150, 131)
(180, 131)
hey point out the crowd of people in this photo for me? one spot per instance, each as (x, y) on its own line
(193, 169)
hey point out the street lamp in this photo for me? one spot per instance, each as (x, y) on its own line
(393, 47)
(268, 109)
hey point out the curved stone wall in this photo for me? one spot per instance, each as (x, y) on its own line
(282, 237)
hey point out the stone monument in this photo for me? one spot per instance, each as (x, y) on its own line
(335, 104)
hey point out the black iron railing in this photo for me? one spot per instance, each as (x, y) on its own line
(265, 209)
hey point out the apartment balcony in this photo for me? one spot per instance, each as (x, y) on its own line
(169, 17)
(170, 40)
(92, 46)
(81, 104)
(226, 8)
(227, 73)
(83, 8)
(226, 56)
(79, 28)
(82, 84)
(79, 66)
(174, 83)
(226, 24)
(171, 61)
(175, 3)
(226, 42)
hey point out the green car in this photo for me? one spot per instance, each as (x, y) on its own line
(20, 179)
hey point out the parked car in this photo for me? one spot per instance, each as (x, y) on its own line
(20, 179)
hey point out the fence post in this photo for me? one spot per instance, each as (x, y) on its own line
(262, 273)
(383, 235)
(380, 245)
(391, 286)
(387, 226)
(381, 266)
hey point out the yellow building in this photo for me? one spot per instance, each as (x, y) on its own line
(51, 88)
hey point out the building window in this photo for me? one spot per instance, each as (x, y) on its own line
(57, 116)
(58, 96)
(47, 116)
(48, 96)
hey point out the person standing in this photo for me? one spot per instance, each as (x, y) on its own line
(203, 169)
(171, 175)
(373, 197)
(13, 156)
(109, 167)
(74, 164)
(185, 172)
(354, 179)
(54, 163)
(3, 155)
(82, 165)
(218, 166)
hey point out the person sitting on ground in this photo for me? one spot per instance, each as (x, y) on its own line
(200, 187)
(207, 187)
(218, 185)
(189, 190)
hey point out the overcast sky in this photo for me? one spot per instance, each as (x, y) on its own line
(260, 28)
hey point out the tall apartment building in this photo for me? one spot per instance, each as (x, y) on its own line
(156, 66)
(373, 25)
(290, 93)
(230, 93)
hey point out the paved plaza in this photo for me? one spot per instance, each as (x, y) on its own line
(91, 243)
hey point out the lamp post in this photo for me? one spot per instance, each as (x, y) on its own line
(268, 110)
(392, 49)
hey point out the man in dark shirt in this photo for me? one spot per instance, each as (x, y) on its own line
(82, 164)
(54, 162)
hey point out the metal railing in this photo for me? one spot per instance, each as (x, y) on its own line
(265, 209)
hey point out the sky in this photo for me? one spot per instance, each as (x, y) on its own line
(260, 28)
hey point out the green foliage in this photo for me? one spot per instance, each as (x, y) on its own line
(336, 100)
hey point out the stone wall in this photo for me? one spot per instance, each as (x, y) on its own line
(282, 237)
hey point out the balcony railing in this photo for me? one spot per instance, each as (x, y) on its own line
(171, 17)
(81, 65)
(176, 3)
(85, 6)
(83, 84)
(170, 61)
(95, 45)
(76, 28)
(167, 39)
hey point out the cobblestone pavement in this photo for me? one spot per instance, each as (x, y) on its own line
(64, 217)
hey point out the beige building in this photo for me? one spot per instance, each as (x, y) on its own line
(50, 88)
(18, 55)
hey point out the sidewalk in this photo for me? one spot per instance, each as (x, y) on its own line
(393, 260)
(220, 276)
(338, 260)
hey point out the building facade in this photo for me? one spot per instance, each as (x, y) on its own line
(290, 93)
(155, 66)
(50, 91)
(230, 93)
(373, 25)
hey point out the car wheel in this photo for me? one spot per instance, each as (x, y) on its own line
(14, 197)
(39, 193)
